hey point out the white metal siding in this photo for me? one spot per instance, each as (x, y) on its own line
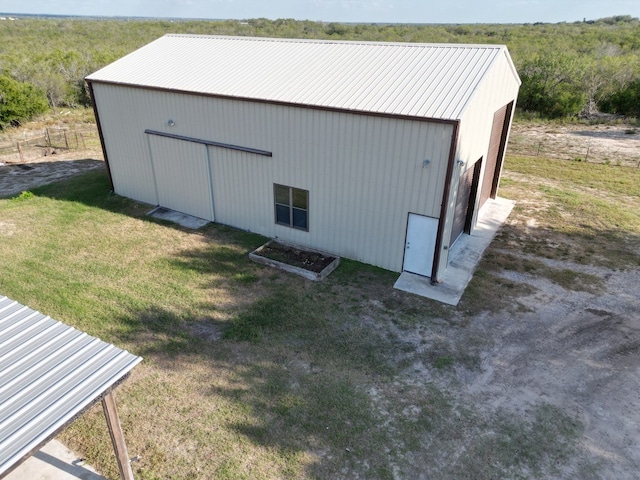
(50, 373)
(364, 173)
(128, 151)
(498, 88)
(409, 79)
(240, 183)
(181, 173)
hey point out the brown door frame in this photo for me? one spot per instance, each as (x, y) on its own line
(473, 195)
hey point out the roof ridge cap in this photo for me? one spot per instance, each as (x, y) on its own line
(329, 41)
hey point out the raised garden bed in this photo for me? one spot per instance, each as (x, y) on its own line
(307, 263)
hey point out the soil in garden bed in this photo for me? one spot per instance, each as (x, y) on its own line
(312, 261)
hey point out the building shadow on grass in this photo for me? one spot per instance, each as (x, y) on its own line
(92, 189)
(289, 358)
(300, 399)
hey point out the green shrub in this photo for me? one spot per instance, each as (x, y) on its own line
(551, 86)
(624, 102)
(26, 195)
(19, 101)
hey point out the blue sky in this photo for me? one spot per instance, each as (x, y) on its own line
(401, 11)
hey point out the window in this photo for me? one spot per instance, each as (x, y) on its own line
(292, 207)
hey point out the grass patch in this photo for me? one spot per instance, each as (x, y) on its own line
(584, 213)
(490, 292)
(566, 278)
(444, 361)
(612, 179)
(512, 447)
(276, 312)
(23, 196)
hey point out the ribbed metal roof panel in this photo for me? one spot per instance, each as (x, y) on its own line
(409, 79)
(49, 373)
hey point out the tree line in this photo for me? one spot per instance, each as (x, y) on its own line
(567, 69)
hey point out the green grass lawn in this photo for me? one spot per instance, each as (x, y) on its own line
(251, 372)
(584, 213)
(248, 372)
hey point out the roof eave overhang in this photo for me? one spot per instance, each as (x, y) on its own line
(95, 81)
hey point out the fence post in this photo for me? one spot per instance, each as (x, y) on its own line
(539, 147)
(20, 152)
(83, 144)
(47, 137)
(66, 140)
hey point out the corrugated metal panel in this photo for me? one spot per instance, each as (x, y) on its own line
(50, 372)
(498, 87)
(421, 80)
(128, 150)
(182, 176)
(363, 173)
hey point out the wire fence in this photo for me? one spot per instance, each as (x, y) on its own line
(53, 141)
(622, 149)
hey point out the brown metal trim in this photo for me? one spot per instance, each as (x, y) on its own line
(99, 125)
(473, 196)
(445, 202)
(285, 104)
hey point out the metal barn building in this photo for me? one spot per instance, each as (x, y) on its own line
(379, 152)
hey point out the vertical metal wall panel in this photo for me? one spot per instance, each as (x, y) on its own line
(125, 142)
(364, 173)
(498, 87)
(492, 161)
(241, 191)
(181, 173)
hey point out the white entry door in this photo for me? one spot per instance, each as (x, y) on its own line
(421, 244)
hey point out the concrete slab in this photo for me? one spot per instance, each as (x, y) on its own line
(464, 257)
(54, 461)
(183, 219)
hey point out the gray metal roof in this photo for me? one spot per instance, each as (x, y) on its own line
(408, 79)
(49, 373)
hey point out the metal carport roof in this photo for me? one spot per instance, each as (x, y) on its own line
(49, 374)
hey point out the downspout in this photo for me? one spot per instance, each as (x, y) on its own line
(445, 203)
(102, 144)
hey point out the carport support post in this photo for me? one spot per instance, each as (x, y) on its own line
(117, 437)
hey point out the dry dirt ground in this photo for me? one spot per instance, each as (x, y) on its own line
(596, 143)
(17, 178)
(577, 351)
(574, 350)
